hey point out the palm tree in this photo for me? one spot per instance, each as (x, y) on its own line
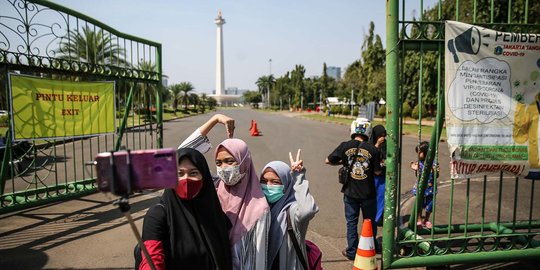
(175, 91)
(146, 90)
(146, 66)
(186, 87)
(194, 99)
(265, 84)
(93, 47)
(149, 67)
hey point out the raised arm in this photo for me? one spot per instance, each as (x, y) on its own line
(199, 140)
(305, 203)
(306, 206)
(221, 119)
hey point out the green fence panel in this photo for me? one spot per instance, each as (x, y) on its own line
(44, 39)
(476, 220)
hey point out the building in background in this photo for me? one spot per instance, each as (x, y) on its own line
(235, 91)
(165, 80)
(334, 72)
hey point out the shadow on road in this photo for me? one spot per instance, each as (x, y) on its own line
(22, 258)
(23, 246)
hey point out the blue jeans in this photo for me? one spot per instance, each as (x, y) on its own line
(352, 212)
(380, 185)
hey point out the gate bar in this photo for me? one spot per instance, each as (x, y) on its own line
(465, 258)
(392, 127)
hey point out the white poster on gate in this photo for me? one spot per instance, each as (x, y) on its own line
(492, 82)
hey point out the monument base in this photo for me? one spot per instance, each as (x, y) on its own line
(228, 100)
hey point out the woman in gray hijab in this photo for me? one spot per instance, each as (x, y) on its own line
(287, 193)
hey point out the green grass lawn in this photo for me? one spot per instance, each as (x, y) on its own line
(408, 129)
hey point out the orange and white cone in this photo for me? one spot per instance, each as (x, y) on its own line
(365, 253)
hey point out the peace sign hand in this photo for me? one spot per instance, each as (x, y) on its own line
(298, 164)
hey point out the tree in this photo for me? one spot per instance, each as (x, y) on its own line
(500, 12)
(93, 47)
(176, 91)
(265, 85)
(373, 66)
(147, 90)
(430, 83)
(328, 85)
(186, 87)
(203, 102)
(165, 94)
(324, 83)
(353, 78)
(194, 99)
(212, 103)
(297, 80)
(280, 88)
(312, 88)
(253, 98)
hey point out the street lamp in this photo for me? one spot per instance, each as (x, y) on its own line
(352, 100)
(269, 86)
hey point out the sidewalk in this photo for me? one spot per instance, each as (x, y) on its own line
(410, 121)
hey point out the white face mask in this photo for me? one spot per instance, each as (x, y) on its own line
(230, 175)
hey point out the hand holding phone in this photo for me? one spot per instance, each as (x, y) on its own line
(144, 169)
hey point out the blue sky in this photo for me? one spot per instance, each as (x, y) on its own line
(288, 32)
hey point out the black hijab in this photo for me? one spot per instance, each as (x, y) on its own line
(379, 131)
(198, 228)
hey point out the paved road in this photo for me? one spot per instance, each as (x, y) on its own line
(90, 233)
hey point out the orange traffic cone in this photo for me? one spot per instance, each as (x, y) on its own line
(253, 129)
(365, 253)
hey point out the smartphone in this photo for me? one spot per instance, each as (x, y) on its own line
(150, 169)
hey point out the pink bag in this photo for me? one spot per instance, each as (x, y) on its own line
(314, 256)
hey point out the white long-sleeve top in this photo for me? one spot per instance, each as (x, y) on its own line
(251, 251)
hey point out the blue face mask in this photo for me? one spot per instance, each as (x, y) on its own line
(273, 192)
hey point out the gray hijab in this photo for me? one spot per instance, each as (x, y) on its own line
(278, 225)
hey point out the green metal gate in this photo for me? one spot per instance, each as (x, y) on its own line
(490, 219)
(43, 39)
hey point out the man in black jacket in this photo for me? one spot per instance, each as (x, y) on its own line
(359, 191)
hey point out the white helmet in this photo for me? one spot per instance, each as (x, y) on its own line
(361, 126)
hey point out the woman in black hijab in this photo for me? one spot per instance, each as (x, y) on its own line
(188, 229)
(378, 139)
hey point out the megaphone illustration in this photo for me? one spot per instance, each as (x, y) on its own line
(467, 42)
